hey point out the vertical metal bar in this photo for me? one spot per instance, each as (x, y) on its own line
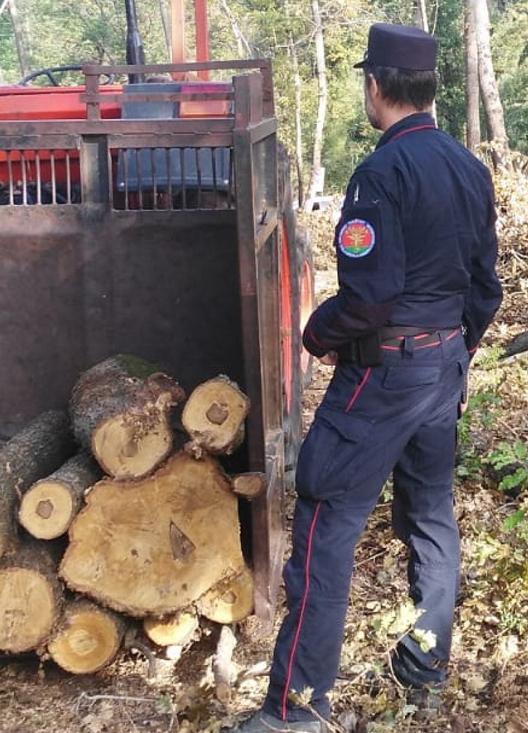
(124, 153)
(198, 177)
(139, 179)
(68, 179)
(154, 183)
(182, 168)
(231, 180)
(39, 177)
(53, 178)
(10, 177)
(24, 177)
(215, 183)
(169, 176)
(110, 167)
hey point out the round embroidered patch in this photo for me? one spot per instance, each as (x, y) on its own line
(357, 238)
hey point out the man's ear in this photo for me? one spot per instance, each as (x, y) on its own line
(372, 86)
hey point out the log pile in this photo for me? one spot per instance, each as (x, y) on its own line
(153, 533)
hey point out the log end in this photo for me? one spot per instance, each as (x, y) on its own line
(46, 510)
(175, 630)
(28, 609)
(214, 415)
(126, 450)
(229, 601)
(88, 639)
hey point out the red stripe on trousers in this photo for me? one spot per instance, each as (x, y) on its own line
(358, 390)
(293, 649)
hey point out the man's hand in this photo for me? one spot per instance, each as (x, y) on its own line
(329, 359)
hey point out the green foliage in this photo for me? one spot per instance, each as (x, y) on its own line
(479, 413)
(510, 455)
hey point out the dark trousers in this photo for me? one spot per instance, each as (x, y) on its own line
(401, 418)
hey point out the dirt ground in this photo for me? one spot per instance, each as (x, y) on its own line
(488, 685)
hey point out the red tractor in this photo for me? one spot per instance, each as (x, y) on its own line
(155, 217)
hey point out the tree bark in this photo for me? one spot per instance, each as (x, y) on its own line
(153, 547)
(322, 100)
(214, 416)
(33, 453)
(49, 505)
(120, 411)
(488, 85)
(30, 597)
(87, 638)
(472, 80)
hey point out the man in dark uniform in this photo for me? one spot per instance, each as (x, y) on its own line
(416, 250)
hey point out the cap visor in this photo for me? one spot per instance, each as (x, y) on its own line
(360, 64)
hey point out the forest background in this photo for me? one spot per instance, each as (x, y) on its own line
(313, 44)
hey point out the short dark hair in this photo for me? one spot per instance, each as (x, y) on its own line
(402, 86)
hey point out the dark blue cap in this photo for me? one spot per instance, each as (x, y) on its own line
(401, 46)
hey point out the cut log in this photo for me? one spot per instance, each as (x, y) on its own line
(36, 451)
(175, 630)
(49, 506)
(214, 415)
(120, 411)
(230, 600)
(87, 638)
(152, 547)
(30, 597)
(249, 485)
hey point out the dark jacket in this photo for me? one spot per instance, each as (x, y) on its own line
(416, 242)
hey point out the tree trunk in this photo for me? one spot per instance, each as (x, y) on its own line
(20, 33)
(87, 638)
(229, 601)
(166, 23)
(33, 453)
(49, 506)
(244, 46)
(30, 597)
(298, 126)
(322, 97)
(120, 411)
(175, 630)
(472, 80)
(488, 84)
(153, 547)
(214, 416)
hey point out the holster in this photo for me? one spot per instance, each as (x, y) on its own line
(363, 350)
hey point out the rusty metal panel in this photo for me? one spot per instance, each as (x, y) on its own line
(79, 285)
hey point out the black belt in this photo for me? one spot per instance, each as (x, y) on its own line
(367, 350)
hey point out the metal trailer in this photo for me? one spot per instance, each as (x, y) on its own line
(189, 279)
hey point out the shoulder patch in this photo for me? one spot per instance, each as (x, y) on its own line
(357, 238)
